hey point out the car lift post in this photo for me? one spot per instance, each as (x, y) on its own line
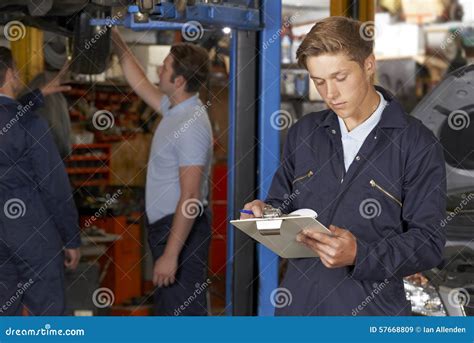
(252, 128)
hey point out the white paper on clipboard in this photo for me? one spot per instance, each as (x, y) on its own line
(279, 234)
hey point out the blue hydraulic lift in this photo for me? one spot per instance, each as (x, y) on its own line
(267, 141)
(253, 157)
(269, 136)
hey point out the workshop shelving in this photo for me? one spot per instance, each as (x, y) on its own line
(89, 164)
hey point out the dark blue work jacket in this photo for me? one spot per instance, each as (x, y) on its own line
(392, 198)
(35, 194)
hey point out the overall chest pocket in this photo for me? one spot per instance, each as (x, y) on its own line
(380, 205)
(386, 193)
(313, 188)
(302, 185)
(303, 177)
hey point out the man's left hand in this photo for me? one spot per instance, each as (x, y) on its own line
(55, 86)
(337, 249)
(164, 272)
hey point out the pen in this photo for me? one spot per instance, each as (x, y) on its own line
(246, 211)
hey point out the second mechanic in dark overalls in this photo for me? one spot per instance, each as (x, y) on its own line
(39, 232)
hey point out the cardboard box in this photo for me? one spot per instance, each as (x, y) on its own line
(422, 11)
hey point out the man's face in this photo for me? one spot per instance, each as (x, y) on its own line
(343, 84)
(165, 73)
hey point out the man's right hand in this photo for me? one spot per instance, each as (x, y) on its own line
(55, 84)
(72, 258)
(256, 207)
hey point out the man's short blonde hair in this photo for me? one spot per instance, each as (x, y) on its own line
(334, 35)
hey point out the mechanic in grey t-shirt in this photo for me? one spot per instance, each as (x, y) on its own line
(183, 138)
(177, 177)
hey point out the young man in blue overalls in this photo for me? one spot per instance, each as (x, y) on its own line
(374, 175)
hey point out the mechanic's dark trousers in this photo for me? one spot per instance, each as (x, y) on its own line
(187, 295)
(31, 274)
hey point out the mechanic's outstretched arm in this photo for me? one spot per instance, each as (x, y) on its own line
(134, 73)
(34, 99)
(55, 84)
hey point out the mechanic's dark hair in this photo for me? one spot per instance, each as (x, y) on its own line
(334, 35)
(191, 62)
(6, 62)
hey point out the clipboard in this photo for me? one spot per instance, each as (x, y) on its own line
(279, 233)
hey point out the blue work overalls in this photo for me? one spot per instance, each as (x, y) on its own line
(392, 198)
(37, 212)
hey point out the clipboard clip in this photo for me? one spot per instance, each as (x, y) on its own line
(270, 227)
(271, 212)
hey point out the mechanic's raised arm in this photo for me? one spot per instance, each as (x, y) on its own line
(134, 73)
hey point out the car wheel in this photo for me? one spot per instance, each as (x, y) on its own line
(90, 44)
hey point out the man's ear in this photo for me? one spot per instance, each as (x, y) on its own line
(369, 65)
(180, 81)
